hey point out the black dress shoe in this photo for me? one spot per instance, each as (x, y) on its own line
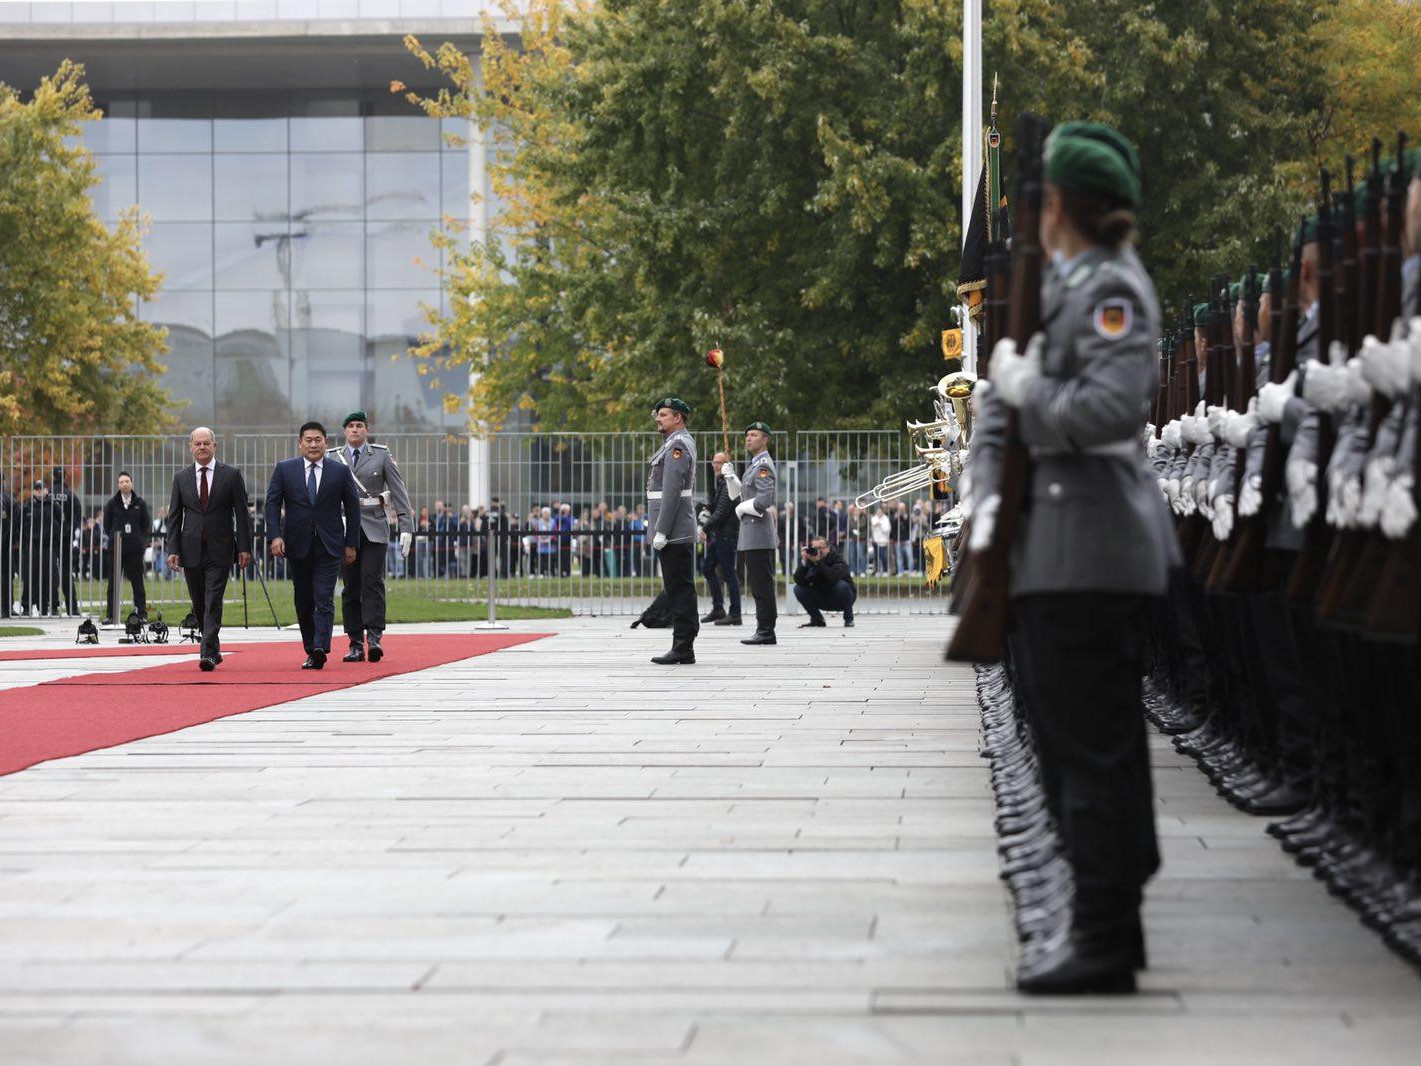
(811, 624)
(1284, 799)
(729, 620)
(373, 651)
(762, 636)
(1069, 972)
(315, 661)
(356, 653)
(206, 665)
(717, 613)
(848, 621)
(675, 658)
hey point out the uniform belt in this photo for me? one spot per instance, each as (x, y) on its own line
(371, 501)
(656, 495)
(1129, 448)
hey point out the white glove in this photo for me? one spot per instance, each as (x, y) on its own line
(745, 507)
(1201, 496)
(1344, 501)
(1195, 427)
(1214, 421)
(1250, 496)
(1302, 490)
(1359, 390)
(1171, 436)
(658, 542)
(702, 517)
(1387, 367)
(1013, 374)
(1272, 399)
(1376, 479)
(732, 482)
(984, 516)
(1150, 428)
(1187, 506)
(406, 543)
(1238, 427)
(1223, 516)
(1399, 510)
(1171, 492)
(1414, 346)
(1324, 386)
(1152, 443)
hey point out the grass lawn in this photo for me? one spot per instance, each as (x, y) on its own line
(21, 631)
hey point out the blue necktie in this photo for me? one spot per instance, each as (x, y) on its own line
(311, 483)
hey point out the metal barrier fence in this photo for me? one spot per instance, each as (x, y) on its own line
(563, 519)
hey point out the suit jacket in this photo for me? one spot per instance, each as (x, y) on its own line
(137, 518)
(336, 494)
(225, 527)
(1094, 520)
(376, 474)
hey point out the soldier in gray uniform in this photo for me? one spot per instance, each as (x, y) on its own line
(671, 521)
(758, 536)
(1093, 548)
(362, 600)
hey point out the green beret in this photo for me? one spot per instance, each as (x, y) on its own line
(1260, 282)
(1201, 314)
(1310, 230)
(355, 416)
(1092, 157)
(674, 403)
(1235, 292)
(760, 426)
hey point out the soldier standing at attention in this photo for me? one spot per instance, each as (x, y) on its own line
(758, 536)
(1093, 547)
(362, 599)
(671, 523)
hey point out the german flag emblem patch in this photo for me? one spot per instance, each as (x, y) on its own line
(1112, 319)
(764, 471)
(675, 453)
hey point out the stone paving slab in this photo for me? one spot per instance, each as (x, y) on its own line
(562, 854)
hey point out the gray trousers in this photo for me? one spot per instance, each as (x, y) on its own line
(362, 598)
(206, 585)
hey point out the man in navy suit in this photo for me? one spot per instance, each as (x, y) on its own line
(309, 534)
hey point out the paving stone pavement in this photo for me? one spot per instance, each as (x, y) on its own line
(560, 853)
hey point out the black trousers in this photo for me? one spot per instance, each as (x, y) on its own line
(206, 585)
(362, 598)
(1079, 658)
(7, 577)
(678, 580)
(816, 601)
(132, 567)
(760, 576)
(39, 579)
(719, 565)
(313, 586)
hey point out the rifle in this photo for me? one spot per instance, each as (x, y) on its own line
(1245, 571)
(1246, 389)
(1317, 538)
(981, 628)
(1394, 613)
(1218, 386)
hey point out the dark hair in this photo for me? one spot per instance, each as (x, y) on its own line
(125, 473)
(311, 425)
(1101, 219)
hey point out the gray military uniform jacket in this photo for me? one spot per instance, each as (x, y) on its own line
(670, 484)
(375, 475)
(759, 486)
(1094, 520)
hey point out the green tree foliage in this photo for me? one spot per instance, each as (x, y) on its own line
(73, 355)
(781, 177)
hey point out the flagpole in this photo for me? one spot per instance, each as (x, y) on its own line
(971, 144)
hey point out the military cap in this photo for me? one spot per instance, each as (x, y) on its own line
(1235, 292)
(37, 485)
(356, 416)
(673, 402)
(760, 426)
(1093, 157)
(1260, 283)
(1310, 230)
(1201, 314)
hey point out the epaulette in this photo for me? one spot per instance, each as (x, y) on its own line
(382, 447)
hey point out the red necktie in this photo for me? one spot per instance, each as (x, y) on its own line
(202, 487)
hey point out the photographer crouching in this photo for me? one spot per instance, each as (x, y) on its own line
(822, 583)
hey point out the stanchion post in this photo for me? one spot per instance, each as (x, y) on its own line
(492, 621)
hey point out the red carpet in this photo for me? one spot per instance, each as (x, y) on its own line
(65, 717)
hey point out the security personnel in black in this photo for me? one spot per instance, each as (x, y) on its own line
(127, 522)
(9, 522)
(722, 530)
(68, 517)
(37, 535)
(671, 525)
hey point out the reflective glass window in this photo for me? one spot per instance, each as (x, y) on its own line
(251, 188)
(395, 322)
(253, 368)
(252, 255)
(118, 185)
(399, 255)
(328, 351)
(189, 376)
(457, 198)
(182, 251)
(112, 133)
(250, 122)
(326, 124)
(327, 185)
(401, 133)
(175, 122)
(327, 255)
(175, 188)
(402, 186)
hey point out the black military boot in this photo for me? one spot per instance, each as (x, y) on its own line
(675, 658)
(728, 620)
(372, 645)
(762, 636)
(356, 653)
(716, 614)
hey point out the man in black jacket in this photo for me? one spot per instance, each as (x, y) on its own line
(127, 521)
(722, 529)
(822, 583)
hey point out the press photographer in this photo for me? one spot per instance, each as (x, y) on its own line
(822, 583)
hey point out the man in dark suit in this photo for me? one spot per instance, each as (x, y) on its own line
(208, 530)
(310, 536)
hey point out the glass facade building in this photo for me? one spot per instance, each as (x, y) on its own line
(291, 222)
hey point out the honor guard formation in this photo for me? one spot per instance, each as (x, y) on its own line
(1208, 521)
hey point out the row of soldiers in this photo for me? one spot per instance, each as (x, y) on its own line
(1284, 442)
